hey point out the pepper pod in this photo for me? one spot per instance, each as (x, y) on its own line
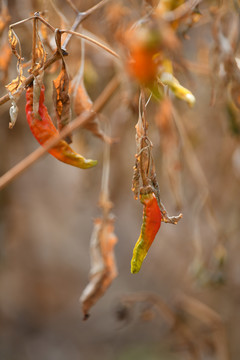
(151, 223)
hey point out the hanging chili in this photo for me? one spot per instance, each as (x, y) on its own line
(151, 223)
(43, 130)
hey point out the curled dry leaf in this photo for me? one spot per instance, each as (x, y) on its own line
(13, 41)
(136, 179)
(103, 266)
(83, 103)
(61, 100)
(15, 84)
(40, 54)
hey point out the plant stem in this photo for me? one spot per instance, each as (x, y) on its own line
(95, 42)
(80, 17)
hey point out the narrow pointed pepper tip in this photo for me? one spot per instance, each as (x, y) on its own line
(134, 268)
(90, 163)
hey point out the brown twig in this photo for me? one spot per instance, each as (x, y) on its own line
(95, 42)
(34, 17)
(80, 17)
(75, 124)
(181, 10)
(34, 41)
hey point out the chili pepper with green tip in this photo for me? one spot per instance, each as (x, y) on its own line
(43, 129)
(151, 223)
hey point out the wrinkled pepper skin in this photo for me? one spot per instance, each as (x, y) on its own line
(151, 223)
(43, 130)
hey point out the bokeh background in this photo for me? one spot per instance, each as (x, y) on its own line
(46, 219)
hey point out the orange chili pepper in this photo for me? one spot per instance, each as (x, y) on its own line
(43, 130)
(151, 223)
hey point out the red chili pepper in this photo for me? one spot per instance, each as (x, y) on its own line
(151, 223)
(43, 130)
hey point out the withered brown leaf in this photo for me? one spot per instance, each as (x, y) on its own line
(13, 41)
(103, 266)
(83, 103)
(61, 100)
(15, 84)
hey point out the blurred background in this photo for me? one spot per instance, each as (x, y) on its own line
(185, 301)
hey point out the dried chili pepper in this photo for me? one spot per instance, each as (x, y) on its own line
(151, 223)
(43, 130)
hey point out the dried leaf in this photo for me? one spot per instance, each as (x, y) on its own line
(103, 266)
(139, 128)
(83, 103)
(136, 179)
(61, 100)
(13, 41)
(15, 84)
(40, 52)
(40, 55)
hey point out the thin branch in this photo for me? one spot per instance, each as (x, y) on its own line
(95, 42)
(81, 16)
(34, 41)
(95, 7)
(181, 10)
(75, 124)
(35, 16)
(21, 22)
